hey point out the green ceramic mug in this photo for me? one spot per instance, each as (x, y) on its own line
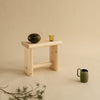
(83, 75)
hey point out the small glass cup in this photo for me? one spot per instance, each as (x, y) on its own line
(51, 38)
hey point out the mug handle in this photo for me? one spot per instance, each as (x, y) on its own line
(78, 72)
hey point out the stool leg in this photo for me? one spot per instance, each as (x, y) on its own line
(28, 61)
(54, 57)
(25, 60)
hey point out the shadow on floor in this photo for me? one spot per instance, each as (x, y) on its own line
(13, 70)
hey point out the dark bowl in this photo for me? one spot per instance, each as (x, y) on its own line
(34, 38)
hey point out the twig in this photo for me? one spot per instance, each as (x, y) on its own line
(23, 94)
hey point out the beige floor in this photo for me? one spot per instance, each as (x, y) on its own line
(75, 22)
(61, 85)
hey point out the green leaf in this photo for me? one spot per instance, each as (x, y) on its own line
(37, 84)
(25, 98)
(30, 95)
(11, 99)
(25, 89)
(17, 98)
(42, 92)
(38, 91)
(18, 90)
(39, 97)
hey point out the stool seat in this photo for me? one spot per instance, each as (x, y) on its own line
(28, 55)
(40, 44)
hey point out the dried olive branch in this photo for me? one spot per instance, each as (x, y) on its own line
(15, 94)
(23, 94)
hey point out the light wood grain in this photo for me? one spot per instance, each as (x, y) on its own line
(42, 65)
(25, 60)
(54, 57)
(28, 61)
(40, 44)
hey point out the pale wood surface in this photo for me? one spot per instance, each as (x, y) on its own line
(54, 57)
(28, 61)
(42, 65)
(40, 44)
(25, 59)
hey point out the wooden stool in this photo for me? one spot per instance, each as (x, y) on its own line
(28, 55)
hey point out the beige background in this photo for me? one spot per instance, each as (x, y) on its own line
(75, 22)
